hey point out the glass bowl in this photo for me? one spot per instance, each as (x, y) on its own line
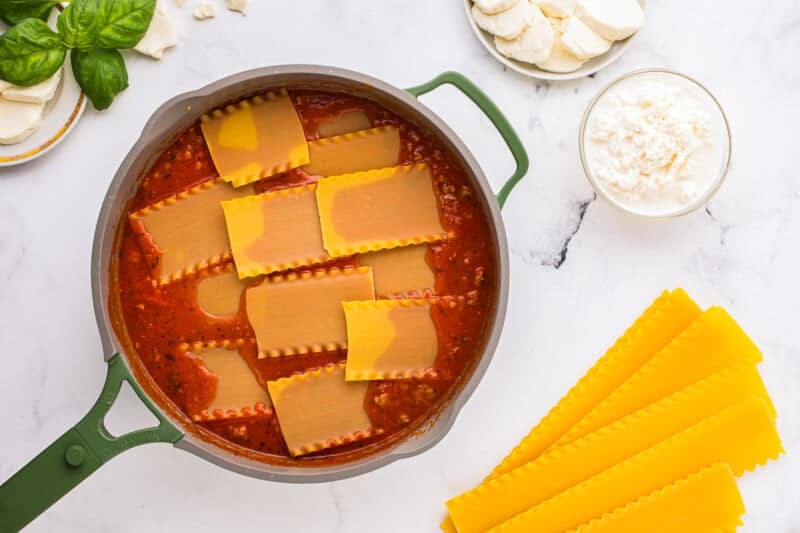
(724, 136)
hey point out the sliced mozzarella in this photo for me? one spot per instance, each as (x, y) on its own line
(204, 10)
(237, 5)
(556, 8)
(159, 37)
(41, 93)
(533, 44)
(508, 24)
(560, 59)
(579, 39)
(611, 19)
(493, 7)
(18, 120)
(4, 85)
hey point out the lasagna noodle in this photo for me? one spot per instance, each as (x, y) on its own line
(713, 342)
(237, 386)
(378, 209)
(255, 138)
(400, 271)
(345, 122)
(743, 436)
(319, 409)
(188, 229)
(666, 317)
(302, 313)
(275, 231)
(219, 293)
(707, 500)
(557, 470)
(354, 152)
(390, 339)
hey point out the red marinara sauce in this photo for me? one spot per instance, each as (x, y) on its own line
(159, 319)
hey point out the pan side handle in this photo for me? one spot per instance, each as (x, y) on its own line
(76, 454)
(494, 114)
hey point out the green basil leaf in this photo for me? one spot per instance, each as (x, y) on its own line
(80, 22)
(15, 11)
(124, 22)
(30, 52)
(101, 74)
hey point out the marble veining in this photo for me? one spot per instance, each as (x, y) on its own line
(581, 270)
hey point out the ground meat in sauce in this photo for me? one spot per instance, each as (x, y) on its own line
(159, 319)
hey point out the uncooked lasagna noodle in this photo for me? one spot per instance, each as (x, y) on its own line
(255, 138)
(707, 500)
(557, 470)
(319, 409)
(345, 122)
(275, 231)
(354, 152)
(743, 436)
(400, 271)
(219, 291)
(666, 317)
(238, 391)
(714, 341)
(378, 209)
(390, 339)
(188, 229)
(302, 313)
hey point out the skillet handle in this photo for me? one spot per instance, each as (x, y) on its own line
(494, 114)
(76, 454)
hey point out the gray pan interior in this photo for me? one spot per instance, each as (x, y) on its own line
(182, 111)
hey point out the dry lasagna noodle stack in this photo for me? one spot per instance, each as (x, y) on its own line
(650, 439)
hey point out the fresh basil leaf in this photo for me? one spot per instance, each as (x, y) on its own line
(101, 74)
(80, 22)
(124, 22)
(30, 52)
(15, 11)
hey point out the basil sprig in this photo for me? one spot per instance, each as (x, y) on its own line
(94, 31)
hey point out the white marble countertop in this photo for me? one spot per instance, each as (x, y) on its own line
(581, 271)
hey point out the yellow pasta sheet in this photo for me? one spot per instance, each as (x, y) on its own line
(354, 152)
(555, 471)
(378, 209)
(275, 231)
(188, 230)
(302, 313)
(708, 500)
(400, 271)
(666, 317)
(238, 391)
(713, 342)
(319, 409)
(255, 138)
(345, 122)
(219, 292)
(390, 339)
(743, 436)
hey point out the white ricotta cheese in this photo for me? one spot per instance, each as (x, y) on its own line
(41, 93)
(160, 35)
(611, 19)
(204, 10)
(493, 7)
(237, 5)
(506, 24)
(18, 120)
(533, 45)
(579, 39)
(651, 143)
(556, 8)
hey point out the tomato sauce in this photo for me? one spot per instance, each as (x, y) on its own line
(158, 320)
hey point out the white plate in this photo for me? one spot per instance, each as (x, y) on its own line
(60, 116)
(590, 67)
